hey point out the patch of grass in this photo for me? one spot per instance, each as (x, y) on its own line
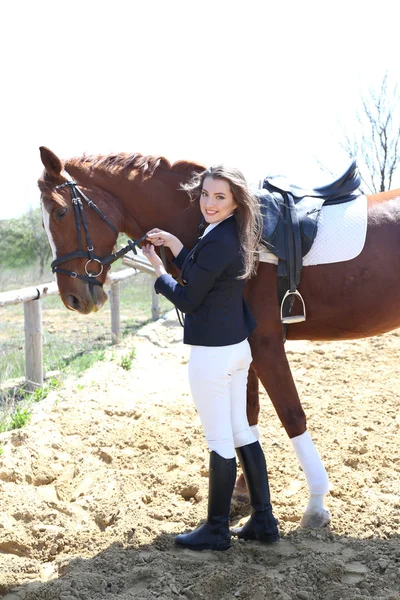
(42, 392)
(131, 326)
(11, 396)
(13, 278)
(1, 451)
(127, 359)
(19, 418)
(82, 361)
(69, 336)
(12, 360)
(14, 420)
(15, 404)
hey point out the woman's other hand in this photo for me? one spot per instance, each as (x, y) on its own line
(155, 261)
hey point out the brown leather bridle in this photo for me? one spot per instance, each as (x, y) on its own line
(78, 199)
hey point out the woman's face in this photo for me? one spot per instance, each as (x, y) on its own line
(216, 200)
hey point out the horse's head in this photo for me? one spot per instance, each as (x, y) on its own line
(79, 236)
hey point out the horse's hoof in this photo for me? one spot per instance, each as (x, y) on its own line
(313, 520)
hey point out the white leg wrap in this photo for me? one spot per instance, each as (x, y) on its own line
(315, 503)
(310, 461)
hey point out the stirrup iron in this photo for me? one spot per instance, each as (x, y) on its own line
(291, 319)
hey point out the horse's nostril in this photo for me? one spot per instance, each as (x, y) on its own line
(73, 302)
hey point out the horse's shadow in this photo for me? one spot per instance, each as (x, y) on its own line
(308, 564)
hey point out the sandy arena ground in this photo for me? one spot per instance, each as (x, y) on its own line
(114, 464)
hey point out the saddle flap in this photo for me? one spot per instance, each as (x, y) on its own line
(271, 211)
(274, 234)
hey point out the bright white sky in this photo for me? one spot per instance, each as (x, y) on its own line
(264, 86)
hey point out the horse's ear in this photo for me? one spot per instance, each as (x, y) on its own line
(51, 162)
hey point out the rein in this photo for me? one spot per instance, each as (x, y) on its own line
(78, 197)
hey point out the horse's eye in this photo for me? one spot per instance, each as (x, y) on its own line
(60, 212)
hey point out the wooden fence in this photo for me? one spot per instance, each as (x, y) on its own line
(31, 298)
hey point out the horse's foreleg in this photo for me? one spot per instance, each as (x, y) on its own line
(271, 366)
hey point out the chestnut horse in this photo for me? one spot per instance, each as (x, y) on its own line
(134, 193)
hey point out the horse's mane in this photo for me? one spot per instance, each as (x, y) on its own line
(124, 163)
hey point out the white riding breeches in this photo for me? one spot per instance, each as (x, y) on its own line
(218, 382)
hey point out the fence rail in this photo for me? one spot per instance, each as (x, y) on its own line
(31, 299)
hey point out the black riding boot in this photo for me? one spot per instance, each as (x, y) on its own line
(262, 525)
(214, 534)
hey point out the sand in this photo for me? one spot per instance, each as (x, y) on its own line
(114, 464)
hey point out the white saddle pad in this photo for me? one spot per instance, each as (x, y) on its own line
(342, 229)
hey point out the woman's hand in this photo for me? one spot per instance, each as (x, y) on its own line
(155, 261)
(158, 237)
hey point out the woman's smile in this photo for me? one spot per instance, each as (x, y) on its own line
(216, 200)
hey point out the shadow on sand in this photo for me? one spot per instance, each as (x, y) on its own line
(305, 564)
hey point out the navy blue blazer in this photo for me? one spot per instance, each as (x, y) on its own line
(212, 296)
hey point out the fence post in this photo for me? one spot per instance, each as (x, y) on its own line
(33, 344)
(155, 303)
(115, 313)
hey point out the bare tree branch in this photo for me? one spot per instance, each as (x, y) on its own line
(377, 143)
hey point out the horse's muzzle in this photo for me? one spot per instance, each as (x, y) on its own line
(91, 300)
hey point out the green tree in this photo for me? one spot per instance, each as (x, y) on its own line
(23, 241)
(42, 246)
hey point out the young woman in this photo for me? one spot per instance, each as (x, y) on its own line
(217, 325)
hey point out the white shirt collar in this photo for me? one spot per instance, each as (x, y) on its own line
(213, 225)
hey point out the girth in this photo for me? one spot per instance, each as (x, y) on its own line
(290, 224)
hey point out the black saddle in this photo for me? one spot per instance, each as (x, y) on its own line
(290, 224)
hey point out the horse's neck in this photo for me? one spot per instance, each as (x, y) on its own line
(146, 203)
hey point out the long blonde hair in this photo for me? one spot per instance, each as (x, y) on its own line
(248, 216)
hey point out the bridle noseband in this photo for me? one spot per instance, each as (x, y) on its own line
(77, 196)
